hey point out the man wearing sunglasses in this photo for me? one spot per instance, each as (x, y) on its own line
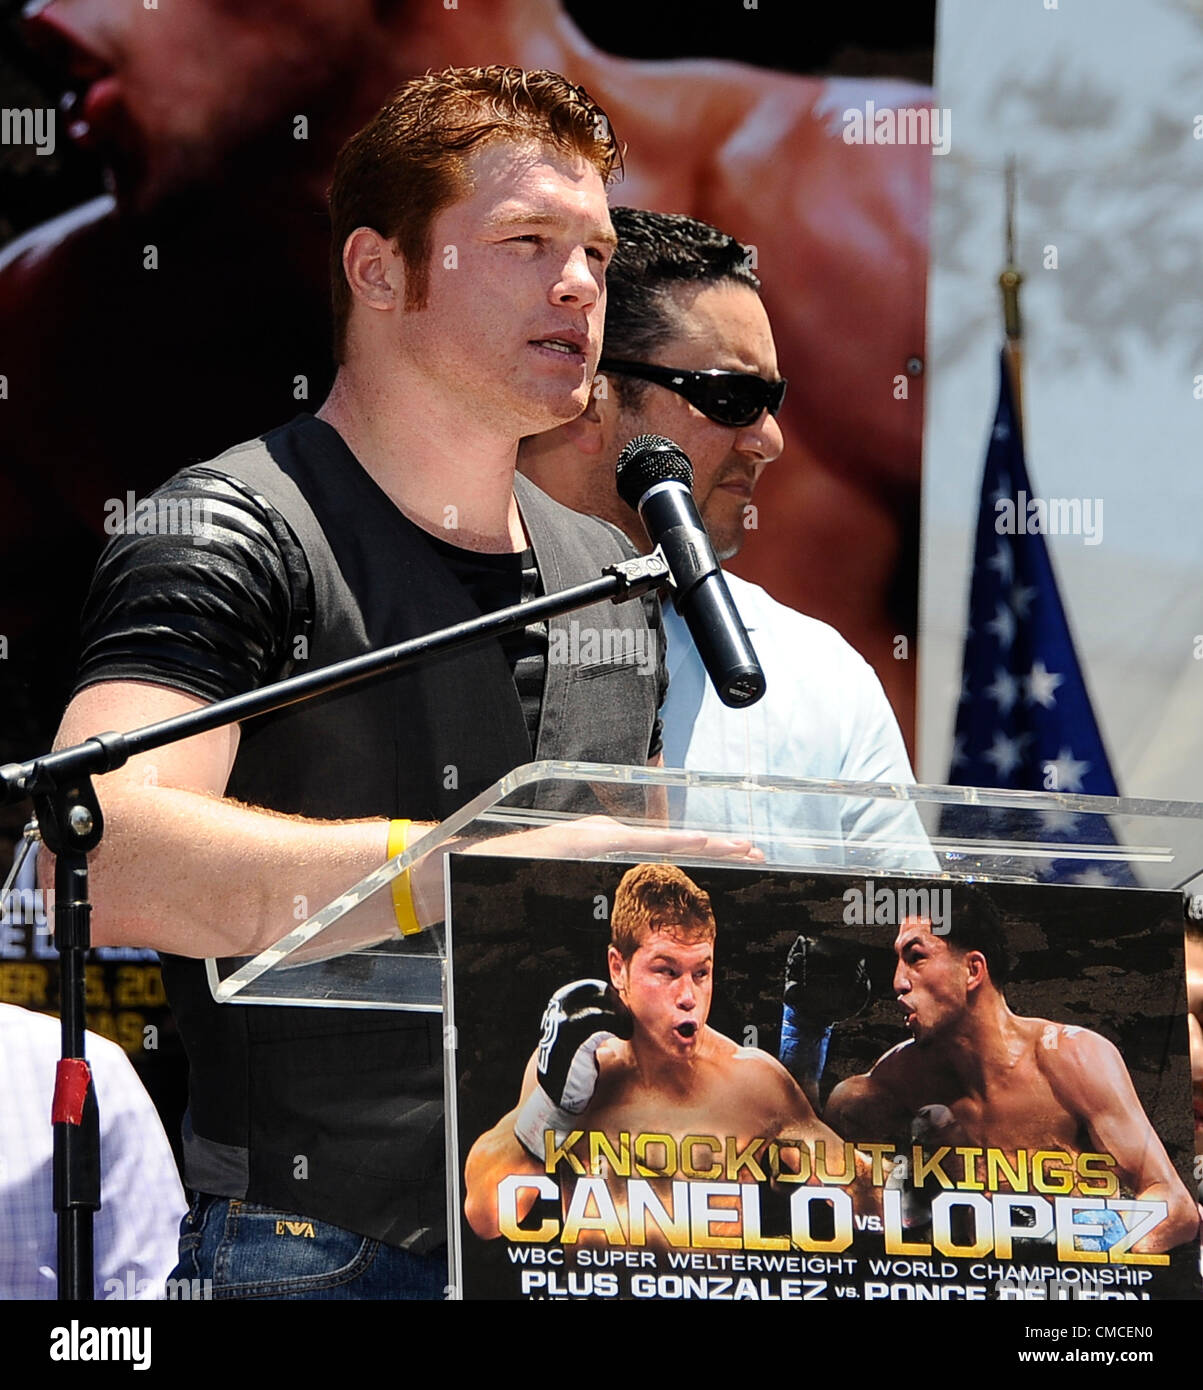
(689, 354)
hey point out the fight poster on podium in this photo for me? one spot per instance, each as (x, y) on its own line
(726, 1083)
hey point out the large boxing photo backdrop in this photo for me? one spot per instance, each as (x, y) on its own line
(156, 158)
(957, 1186)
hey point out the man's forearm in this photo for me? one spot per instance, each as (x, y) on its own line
(1181, 1221)
(198, 875)
(494, 1157)
(184, 870)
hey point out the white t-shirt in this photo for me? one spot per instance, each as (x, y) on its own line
(824, 714)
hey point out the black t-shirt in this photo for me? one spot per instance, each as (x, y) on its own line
(216, 598)
(497, 581)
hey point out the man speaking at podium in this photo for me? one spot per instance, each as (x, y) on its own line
(470, 241)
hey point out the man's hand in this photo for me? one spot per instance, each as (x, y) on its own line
(825, 981)
(591, 837)
(578, 1019)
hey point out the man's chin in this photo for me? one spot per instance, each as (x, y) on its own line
(139, 191)
(930, 1035)
(550, 415)
(178, 180)
(726, 536)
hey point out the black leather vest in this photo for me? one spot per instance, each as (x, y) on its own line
(338, 1114)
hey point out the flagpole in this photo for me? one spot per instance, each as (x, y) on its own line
(1009, 282)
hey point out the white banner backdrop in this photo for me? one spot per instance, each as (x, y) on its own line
(1100, 102)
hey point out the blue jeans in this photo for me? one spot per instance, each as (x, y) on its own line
(241, 1250)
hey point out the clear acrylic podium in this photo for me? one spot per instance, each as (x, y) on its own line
(816, 838)
(342, 956)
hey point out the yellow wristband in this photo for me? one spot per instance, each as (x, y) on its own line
(403, 896)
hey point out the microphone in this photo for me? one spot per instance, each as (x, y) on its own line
(656, 480)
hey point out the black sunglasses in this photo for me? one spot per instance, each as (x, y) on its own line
(734, 399)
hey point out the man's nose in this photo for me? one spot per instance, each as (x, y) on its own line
(686, 994)
(576, 283)
(902, 981)
(761, 441)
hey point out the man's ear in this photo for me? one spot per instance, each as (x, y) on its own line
(374, 270)
(618, 974)
(976, 970)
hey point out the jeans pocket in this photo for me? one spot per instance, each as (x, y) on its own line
(264, 1252)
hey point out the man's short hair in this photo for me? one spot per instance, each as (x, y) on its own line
(974, 924)
(658, 898)
(657, 251)
(408, 163)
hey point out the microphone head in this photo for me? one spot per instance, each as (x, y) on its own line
(647, 460)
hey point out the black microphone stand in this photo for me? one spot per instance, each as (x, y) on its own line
(71, 825)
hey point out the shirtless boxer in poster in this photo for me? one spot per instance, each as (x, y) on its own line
(975, 1074)
(159, 338)
(639, 1058)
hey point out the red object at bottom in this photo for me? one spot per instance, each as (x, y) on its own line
(71, 1079)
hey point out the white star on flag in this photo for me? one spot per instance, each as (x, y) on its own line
(1004, 562)
(1021, 598)
(1058, 822)
(1004, 690)
(1005, 752)
(1041, 683)
(1092, 878)
(1067, 772)
(1002, 625)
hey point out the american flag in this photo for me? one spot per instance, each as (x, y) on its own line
(1024, 720)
